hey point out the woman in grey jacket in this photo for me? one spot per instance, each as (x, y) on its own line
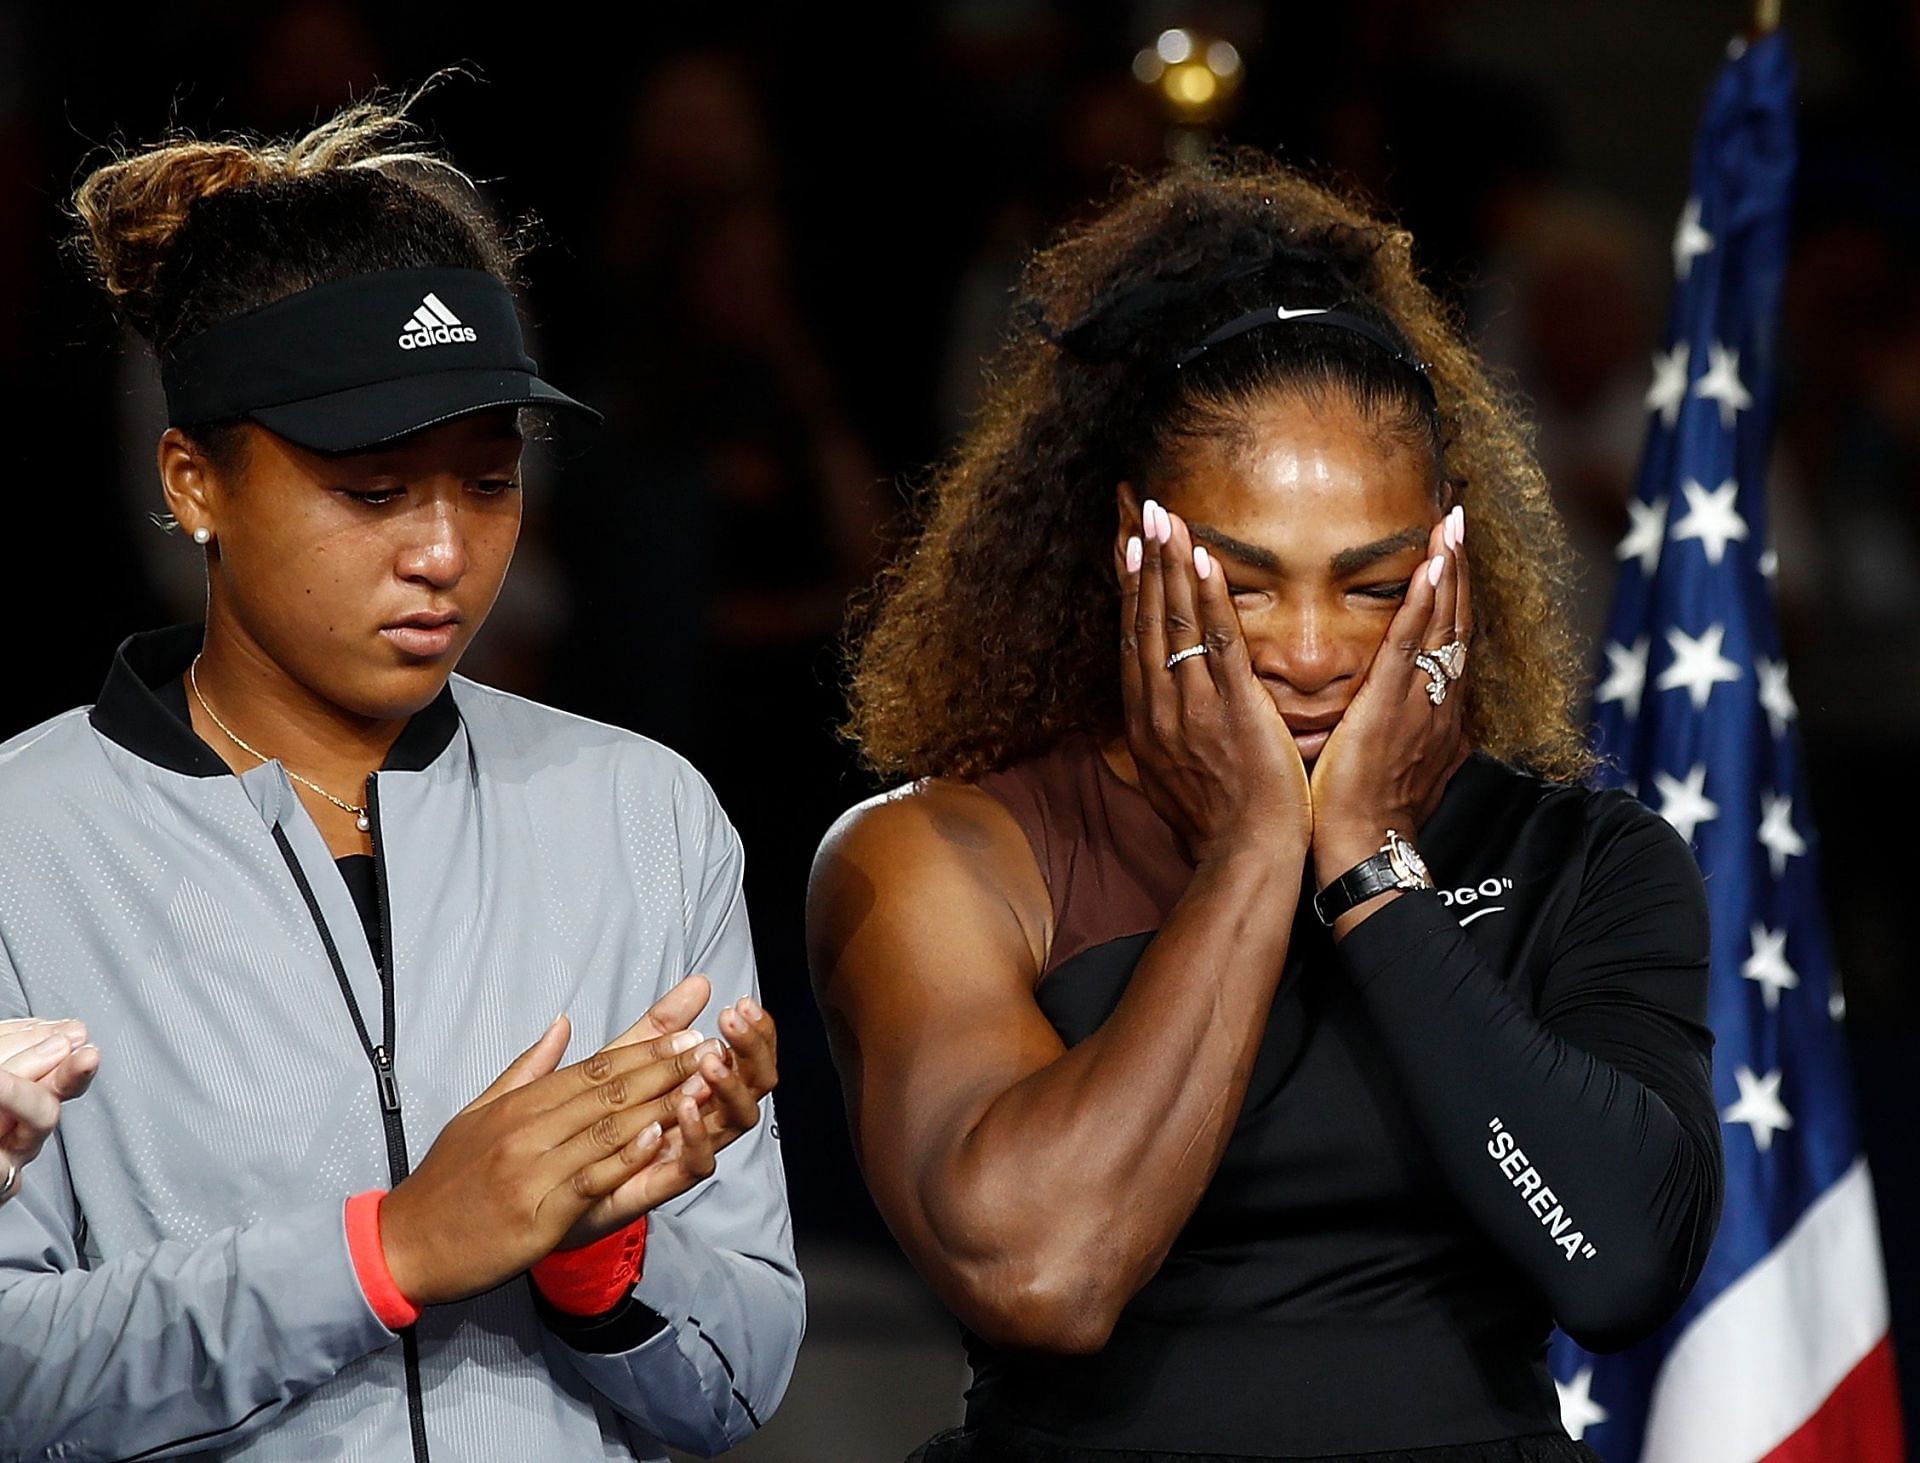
(315, 892)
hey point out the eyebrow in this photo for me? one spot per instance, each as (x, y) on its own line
(1351, 561)
(1347, 561)
(1253, 556)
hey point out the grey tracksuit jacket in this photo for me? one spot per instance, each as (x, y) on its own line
(174, 1275)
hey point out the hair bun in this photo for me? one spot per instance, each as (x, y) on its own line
(132, 209)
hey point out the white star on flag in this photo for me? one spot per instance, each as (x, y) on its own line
(1686, 804)
(1626, 675)
(1775, 699)
(1669, 387)
(1777, 832)
(1721, 383)
(1578, 1410)
(1647, 528)
(1690, 241)
(1697, 664)
(1759, 1107)
(1768, 964)
(1711, 518)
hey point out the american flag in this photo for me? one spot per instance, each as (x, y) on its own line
(1782, 1351)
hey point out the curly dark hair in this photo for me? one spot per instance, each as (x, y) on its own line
(980, 646)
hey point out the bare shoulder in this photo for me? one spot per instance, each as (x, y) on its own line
(934, 818)
(913, 851)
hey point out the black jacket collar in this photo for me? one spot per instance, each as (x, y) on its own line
(141, 708)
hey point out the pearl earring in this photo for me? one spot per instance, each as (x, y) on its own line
(203, 536)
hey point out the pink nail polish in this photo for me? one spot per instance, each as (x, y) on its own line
(1133, 554)
(1202, 562)
(1436, 568)
(1460, 526)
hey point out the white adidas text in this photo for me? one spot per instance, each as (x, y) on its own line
(433, 324)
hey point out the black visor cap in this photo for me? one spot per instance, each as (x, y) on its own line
(361, 362)
(364, 417)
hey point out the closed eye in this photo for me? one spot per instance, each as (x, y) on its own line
(377, 497)
(494, 487)
(1389, 593)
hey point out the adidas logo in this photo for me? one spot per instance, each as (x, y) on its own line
(433, 324)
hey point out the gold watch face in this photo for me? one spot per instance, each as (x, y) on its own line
(1409, 869)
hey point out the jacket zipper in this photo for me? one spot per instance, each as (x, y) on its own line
(380, 1058)
(397, 1161)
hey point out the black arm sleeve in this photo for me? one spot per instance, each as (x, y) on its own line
(1583, 1141)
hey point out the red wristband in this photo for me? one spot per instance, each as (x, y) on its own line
(369, 1257)
(592, 1280)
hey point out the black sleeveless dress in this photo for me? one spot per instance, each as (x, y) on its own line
(1362, 1280)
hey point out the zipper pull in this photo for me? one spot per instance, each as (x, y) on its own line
(383, 1074)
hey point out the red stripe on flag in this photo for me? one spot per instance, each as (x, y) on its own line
(1859, 1421)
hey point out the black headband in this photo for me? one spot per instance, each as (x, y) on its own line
(361, 361)
(1332, 318)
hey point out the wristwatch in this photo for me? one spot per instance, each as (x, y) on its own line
(1398, 865)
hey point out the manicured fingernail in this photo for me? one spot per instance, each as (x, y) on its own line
(52, 1044)
(649, 1136)
(695, 1087)
(1435, 568)
(685, 1041)
(1146, 519)
(1202, 562)
(1133, 554)
(1460, 526)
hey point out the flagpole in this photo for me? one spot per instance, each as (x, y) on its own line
(1766, 17)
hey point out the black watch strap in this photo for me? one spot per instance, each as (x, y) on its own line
(1398, 865)
(1360, 883)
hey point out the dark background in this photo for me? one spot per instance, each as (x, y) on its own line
(774, 246)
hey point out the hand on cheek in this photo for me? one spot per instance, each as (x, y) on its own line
(1388, 762)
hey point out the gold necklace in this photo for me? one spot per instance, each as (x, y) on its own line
(360, 819)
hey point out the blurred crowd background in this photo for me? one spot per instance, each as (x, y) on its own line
(775, 245)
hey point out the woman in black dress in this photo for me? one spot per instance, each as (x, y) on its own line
(1251, 1027)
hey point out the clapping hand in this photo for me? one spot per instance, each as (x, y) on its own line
(42, 1064)
(714, 1107)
